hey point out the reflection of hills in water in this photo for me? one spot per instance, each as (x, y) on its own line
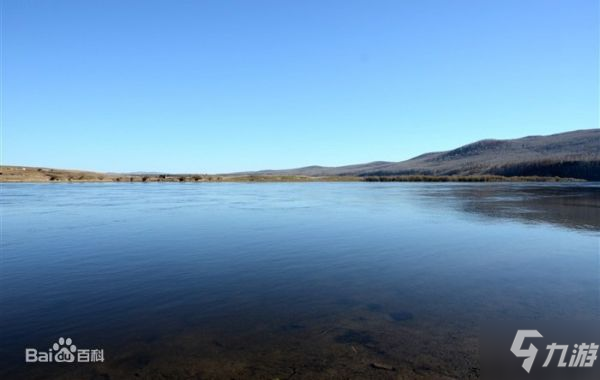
(572, 206)
(300, 281)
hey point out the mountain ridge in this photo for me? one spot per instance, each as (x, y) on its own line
(567, 155)
(558, 154)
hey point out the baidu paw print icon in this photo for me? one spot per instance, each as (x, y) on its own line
(65, 350)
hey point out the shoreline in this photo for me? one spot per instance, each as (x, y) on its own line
(406, 179)
(20, 174)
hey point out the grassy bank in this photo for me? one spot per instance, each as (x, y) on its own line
(40, 175)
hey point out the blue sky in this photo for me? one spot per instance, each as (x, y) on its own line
(218, 86)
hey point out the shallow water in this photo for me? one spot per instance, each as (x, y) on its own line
(287, 280)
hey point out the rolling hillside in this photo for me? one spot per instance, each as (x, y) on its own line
(572, 154)
(567, 155)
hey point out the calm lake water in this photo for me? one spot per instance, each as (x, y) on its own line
(287, 280)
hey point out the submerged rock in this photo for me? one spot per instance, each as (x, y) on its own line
(374, 307)
(401, 316)
(357, 337)
(385, 367)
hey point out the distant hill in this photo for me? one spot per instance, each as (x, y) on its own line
(567, 155)
(572, 154)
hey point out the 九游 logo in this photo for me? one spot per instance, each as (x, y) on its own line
(64, 351)
(583, 355)
(528, 354)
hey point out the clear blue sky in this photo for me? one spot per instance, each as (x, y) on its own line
(218, 86)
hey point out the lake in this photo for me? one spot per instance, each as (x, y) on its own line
(287, 280)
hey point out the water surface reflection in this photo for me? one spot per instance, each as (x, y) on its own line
(309, 280)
